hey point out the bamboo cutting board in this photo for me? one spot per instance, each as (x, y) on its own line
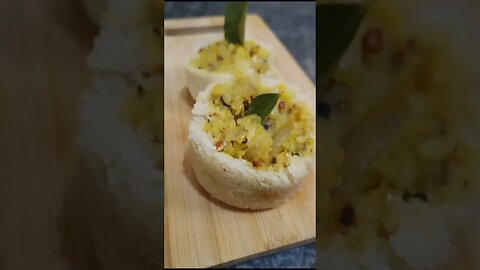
(199, 231)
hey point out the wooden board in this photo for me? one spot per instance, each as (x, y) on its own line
(201, 232)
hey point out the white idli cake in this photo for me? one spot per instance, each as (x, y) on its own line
(245, 158)
(397, 184)
(251, 137)
(217, 60)
(121, 136)
(214, 60)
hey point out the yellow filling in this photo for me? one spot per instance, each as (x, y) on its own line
(289, 130)
(403, 117)
(225, 57)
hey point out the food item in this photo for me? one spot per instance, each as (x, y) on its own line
(238, 158)
(120, 137)
(216, 61)
(402, 189)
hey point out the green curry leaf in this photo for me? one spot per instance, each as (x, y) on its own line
(337, 25)
(262, 105)
(235, 17)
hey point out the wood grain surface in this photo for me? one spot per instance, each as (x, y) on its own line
(200, 231)
(43, 45)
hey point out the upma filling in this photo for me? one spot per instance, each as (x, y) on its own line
(287, 132)
(406, 134)
(224, 57)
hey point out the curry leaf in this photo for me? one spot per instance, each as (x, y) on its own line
(263, 104)
(337, 25)
(234, 26)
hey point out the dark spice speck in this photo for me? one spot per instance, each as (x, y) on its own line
(219, 144)
(372, 41)
(348, 216)
(245, 105)
(223, 102)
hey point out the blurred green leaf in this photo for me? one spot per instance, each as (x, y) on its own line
(337, 25)
(263, 104)
(235, 17)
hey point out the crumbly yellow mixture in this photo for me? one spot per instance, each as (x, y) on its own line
(289, 130)
(403, 116)
(225, 57)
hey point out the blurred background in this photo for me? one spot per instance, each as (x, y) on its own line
(43, 46)
(293, 23)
